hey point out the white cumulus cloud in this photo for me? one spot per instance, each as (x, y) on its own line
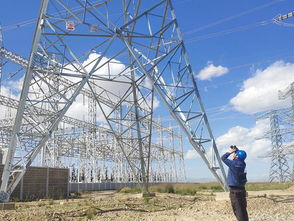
(211, 71)
(248, 139)
(10, 89)
(80, 107)
(260, 92)
(191, 154)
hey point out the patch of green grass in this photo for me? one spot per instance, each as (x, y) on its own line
(197, 188)
(217, 188)
(188, 191)
(163, 188)
(268, 186)
(170, 189)
(146, 200)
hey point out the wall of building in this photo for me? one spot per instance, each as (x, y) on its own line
(41, 182)
(75, 187)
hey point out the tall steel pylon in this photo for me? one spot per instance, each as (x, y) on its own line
(143, 40)
(82, 139)
(289, 120)
(279, 170)
(281, 135)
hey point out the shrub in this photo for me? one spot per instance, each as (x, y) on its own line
(78, 194)
(91, 212)
(170, 189)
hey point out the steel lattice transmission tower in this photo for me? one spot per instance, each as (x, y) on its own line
(281, 135)
(279, 170)
(289, 93)
(84, 147)
(142, 37)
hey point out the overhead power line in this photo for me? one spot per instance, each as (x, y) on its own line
(229, 31)
(233, 17)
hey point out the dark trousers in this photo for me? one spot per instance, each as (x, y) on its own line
(239, 204)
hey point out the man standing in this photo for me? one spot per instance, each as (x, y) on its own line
(236, 180)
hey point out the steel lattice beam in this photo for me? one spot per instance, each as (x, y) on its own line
(145, 41)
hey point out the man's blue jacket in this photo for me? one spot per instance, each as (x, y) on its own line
(236, 170)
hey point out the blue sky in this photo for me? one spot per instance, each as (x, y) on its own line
(242, 52)
(233, 39)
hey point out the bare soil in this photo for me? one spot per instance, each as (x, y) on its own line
(262, 205)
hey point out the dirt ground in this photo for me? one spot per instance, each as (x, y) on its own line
(206, 206)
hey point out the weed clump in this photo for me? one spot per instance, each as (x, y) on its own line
(91, 212)
(41, 204)
(146, 200)
(170, 189)
(78, 194)
(178, 188)
(167, 188)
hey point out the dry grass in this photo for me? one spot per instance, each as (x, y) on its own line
(95, 206)
(199, 188)
(189, 200)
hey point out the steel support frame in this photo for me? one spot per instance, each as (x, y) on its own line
(175, 107)
(151, 68)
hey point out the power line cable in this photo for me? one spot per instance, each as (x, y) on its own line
(229, 31)
(233, 17)
(32, 21)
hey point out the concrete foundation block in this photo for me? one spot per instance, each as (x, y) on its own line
(222, 196)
